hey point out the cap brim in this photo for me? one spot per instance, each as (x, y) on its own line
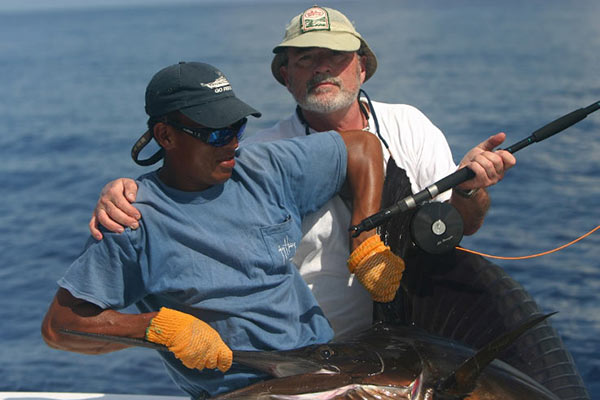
(220, 113)
(340, 41)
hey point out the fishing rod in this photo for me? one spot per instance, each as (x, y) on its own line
(458, 177)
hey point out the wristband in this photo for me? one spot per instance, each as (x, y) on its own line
(467, 194)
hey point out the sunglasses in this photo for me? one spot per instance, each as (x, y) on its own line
(215, 137)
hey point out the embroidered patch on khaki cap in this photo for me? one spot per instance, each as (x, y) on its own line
(314, 19)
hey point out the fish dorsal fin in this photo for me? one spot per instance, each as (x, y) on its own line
(462, 380)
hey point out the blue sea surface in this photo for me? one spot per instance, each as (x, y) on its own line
(72, 87)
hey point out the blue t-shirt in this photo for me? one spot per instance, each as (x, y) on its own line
(223, 254)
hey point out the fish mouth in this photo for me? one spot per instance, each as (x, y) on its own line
(381, 363)
(352, 391)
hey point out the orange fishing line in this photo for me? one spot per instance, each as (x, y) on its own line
(532, 255)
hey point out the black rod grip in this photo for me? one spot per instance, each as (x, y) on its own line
(555, 127)
(454, 179)
(559, 124)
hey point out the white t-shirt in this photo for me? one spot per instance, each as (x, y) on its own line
(419, 148)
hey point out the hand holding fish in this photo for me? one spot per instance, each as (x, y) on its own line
(377, 268)
(191, 340)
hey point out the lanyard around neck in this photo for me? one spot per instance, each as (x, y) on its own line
(363, 110)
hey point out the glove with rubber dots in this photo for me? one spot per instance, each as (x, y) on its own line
(377, 268)
(191, 340)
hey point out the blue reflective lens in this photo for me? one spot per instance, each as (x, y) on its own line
(221, 137)
(214, 137)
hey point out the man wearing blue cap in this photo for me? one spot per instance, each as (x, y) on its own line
(210, 265)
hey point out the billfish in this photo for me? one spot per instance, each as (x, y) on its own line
(392, 362)
(384, 362)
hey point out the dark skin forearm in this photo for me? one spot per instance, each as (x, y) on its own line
(364, 177)
(69, 312)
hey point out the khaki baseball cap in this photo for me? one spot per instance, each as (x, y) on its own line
(326, 28)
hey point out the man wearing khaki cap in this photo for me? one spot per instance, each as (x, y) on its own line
(323, 62)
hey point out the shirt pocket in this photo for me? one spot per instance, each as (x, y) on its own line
(281, 242)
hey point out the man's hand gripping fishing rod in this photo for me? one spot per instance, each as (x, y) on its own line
(464, 174)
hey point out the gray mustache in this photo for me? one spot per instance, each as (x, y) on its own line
(322, 78)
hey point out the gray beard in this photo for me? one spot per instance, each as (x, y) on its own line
(312, 102)
(315, 104)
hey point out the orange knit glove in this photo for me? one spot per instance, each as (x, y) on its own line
(377, 268)
(191, 340)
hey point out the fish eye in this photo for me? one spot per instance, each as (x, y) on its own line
(326, 353)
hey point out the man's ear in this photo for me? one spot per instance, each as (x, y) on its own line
(363, 68)
(163, 135)
(284, 74)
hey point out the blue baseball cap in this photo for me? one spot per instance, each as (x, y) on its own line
(197, 90)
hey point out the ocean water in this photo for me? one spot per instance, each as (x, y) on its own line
(72, 84)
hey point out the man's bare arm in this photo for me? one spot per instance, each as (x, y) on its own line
(191, 340)
(365, 177)
(69, 312)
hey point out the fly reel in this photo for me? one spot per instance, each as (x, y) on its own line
(436, 228)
